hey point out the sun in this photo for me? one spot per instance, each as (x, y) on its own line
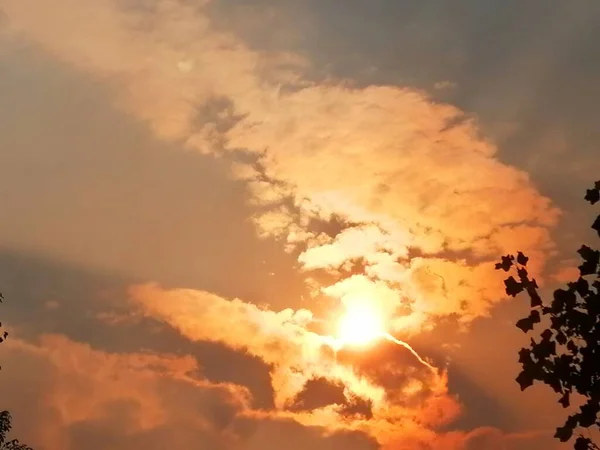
(360, 325)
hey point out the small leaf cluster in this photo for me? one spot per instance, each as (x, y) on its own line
(566, 355)
(5, 418)
(5, 427)
(3, 332)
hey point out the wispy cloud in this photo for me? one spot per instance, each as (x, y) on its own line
(402, 172)
(282, 339)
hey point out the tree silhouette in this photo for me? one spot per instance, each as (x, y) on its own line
(5, 418)
(566, 355)
(5, 427)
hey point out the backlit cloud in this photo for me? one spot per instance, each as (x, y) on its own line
(404, 175)
(400, 200)
(389, 382)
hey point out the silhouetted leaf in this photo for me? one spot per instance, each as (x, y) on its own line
(525, 324)
(591, 260)
(535, 298)
(587, 416)
(592, 196)
(596, 225)
(572, 347)
(524, 356)
(525, 380)
(583, 444)
(592, 302)
(563, 299)
(513, 287)
(506, 263)
(561, 338)
(581, 286)
(544, 349)
(564, 400)
(523, 275)
(546, 335)
(563, 433)
(534, 317)
(522, 259)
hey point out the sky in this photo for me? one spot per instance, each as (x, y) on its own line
(197, 193)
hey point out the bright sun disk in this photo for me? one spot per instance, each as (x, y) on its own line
(360, 325)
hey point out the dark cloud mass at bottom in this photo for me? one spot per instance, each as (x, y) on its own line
(52, 293)
(321, 392)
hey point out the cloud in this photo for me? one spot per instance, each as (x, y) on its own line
(487, 438)
(60, 390)
(67, 395)
(494, 439)
(375, 392)
(403, 173)
(406, 175)
(269, 433)
(444, 85)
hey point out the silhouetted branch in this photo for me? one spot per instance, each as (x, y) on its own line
(566, 355)
(5, 418)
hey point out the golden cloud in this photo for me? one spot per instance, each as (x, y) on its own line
(408, 176)
(404, 174)
(397, 387)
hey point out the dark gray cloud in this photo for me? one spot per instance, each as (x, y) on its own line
(321, 392)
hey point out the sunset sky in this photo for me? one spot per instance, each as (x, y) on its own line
(272, 224)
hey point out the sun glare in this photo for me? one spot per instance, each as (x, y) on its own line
(360, 325)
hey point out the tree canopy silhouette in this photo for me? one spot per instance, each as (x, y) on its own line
(5, 418)
(5, 427)
(566, 355)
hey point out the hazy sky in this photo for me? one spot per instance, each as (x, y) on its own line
(195, 191)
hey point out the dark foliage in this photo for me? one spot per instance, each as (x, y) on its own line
(5, 426)
(3, 332)
(566, 355)
(5, 418)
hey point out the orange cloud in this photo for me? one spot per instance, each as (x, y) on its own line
(131, 396)
(492, 439)
(487, 438)
(66, 395)
(406, 175)
(397, 387)
(403, 174)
